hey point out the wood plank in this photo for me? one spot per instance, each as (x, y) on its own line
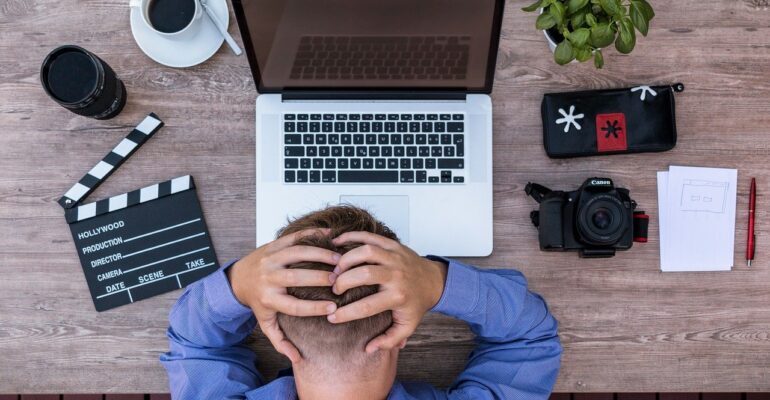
(636, 396)
(123, 397)
(160, 396)
(679, 396)
(757, 396)
(560, 396)
(721, 396)
(624, 325)
(83, 397)
(9, 397)
(39, 397)
(593, 396)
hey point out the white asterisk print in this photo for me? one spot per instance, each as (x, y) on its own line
(645, 90)
(570, 119)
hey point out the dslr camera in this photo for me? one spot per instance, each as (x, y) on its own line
(597, 220)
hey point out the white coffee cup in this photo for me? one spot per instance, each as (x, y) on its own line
(185, 33)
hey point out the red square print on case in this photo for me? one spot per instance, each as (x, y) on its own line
(611, 134)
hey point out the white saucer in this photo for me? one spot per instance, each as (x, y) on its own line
(181, 53)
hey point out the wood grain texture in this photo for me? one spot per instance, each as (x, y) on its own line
(625, 326)
(679, 396)
(636, 396)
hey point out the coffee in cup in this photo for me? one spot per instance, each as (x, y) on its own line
(173, 19)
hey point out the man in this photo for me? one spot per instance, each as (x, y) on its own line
(339, 295)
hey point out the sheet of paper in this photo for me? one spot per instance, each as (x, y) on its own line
(698, 219)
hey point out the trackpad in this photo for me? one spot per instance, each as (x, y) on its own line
(391, 210)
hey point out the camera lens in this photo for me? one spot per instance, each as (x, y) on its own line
(602, 219)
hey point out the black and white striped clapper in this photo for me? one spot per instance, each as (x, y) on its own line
(141, 243)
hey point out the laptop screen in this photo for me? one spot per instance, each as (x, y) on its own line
(371, 44)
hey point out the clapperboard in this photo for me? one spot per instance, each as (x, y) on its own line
(141, 243)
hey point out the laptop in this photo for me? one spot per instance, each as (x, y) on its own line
(382, 104)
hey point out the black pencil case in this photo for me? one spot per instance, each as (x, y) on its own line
(616, 121)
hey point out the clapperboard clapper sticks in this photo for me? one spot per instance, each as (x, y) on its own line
(141, 243)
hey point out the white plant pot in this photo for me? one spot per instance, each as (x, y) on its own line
(551, 43)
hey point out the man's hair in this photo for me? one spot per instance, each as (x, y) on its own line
(316, 338)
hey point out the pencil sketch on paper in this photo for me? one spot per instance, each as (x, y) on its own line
(704, 196)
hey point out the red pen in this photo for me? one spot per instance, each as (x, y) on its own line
(751, 243)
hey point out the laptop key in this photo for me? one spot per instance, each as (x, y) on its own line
(379, 163)
(411, 151)
(302, 117)
(312, 151)
(352, 127)
(367, 117)
(368, 163)
(422, 176)
(315, 176)
(406, 163)
(346, 139)
(315, 127)
(289, 176)
(402, 126)
(294, 151)
(324, 151)
(336, 151)
(301, 176)
(417, 163)
(354, 117)
(433, 179)
(361, 151)
(459, 179)
(398, 151)
(382, 139)
(424, 151)
(427, 127)
(320, 139)
(419, 117)
(350, 151)
(355, 163)
(341, 117)
(289, 126)
(406, 117)
(414, 127)
(291, 163)
(446, 176)
(365, 127)
(451, 163)
(376, 126)
(368, 176)
(318, 163)
(449, 151)
(432, 117)
(374, 151)
(421, 139)
(446, 139)
(304, 163)
(407, 176)
(408, 139)
(433, 139)
(458, 117)
(392, 163)
(392, 117)
(380, 117)
(430, 163)
(328, 117)
(331, 163)
(290, 116)
(292, 139)
(435, 151)
(395, 139)
(327, 127)
(386, 151)
(329, 176)
(301, 126)
(454, 127)
(315, 117)
(390, 127)
(339, 127)
(342, 163)
(358, 139)
(445, 117)
(371, 139)
(334, 139)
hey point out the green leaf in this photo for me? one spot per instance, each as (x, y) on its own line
(602, 35)
(598, 59)
(545, 21)
(611, 7)
(564, 53)
(639, 20)
(591, 20)
(583, 54)
(574, 6)
(627, 39)
(534, 6)
(579, 37)
(557, 11)
(578, 19)
(645, 8)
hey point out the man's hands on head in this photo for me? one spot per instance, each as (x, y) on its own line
(260, 279)
(410, 285)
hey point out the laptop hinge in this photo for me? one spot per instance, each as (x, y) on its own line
(372, 95)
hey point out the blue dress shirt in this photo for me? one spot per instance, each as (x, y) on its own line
(517, 352)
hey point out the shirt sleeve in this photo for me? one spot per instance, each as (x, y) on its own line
(517, 353)
(207, 358)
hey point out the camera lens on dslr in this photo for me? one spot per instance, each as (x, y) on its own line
(600, 220)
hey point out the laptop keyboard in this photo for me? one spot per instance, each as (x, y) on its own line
(382, 58)
(403, 148)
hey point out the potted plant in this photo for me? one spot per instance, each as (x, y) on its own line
(580, 29)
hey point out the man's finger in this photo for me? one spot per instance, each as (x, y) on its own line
(293, 306)
(366, 307)
(394, 337)
(361, 276)
(291, 239)
(296, 254)
(366, 238)
(298, 277)
(366, 254)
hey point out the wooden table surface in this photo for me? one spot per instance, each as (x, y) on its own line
(625, 325)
